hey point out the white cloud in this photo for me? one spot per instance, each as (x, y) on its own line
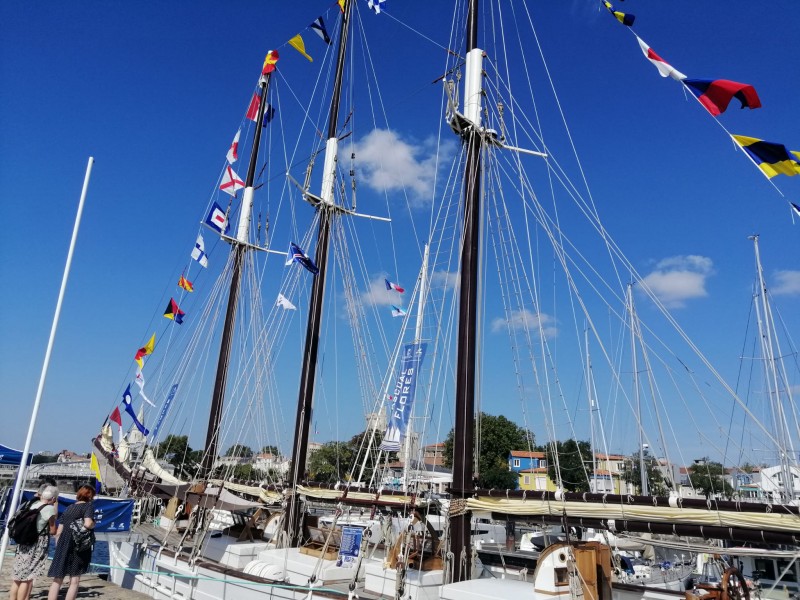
(378, 295)
(787, 283)
(680, 278)
(446, 279)
(385, 162)
(525, 319)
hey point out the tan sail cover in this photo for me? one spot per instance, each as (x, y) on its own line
(655, 514)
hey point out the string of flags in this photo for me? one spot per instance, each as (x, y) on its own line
(715, 95)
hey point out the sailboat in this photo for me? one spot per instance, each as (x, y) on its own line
(280, 568)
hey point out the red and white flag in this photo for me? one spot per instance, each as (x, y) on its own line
(233, 153)
(252, 110)
(664, 68)
(231, 182)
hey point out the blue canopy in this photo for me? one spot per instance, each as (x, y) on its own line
(9, 456)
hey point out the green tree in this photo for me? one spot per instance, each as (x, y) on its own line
(239, 450)
(657, 485)
(498, 437)
(330, 462)
(574, 464)
(176, 451)
(270, 450)
(708, 477)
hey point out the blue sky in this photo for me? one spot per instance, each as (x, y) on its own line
(155, 91)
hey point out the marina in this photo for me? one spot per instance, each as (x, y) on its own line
(440, 329)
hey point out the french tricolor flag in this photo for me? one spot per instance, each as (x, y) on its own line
(393, 286)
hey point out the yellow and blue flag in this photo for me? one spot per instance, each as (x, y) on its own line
(773, 159)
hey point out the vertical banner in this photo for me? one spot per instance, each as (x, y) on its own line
(164, 411)
(403, 396)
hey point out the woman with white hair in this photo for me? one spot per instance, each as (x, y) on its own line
(32, 558)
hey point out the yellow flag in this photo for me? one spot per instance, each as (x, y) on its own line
(341, 5)
(297, 43)
(144, 351)
(95, 467)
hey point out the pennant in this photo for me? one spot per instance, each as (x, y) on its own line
(795, 208)
(233, 151)
(173, 312)
(145, 350)
(716, 94)
(772, 159)
(217, 219)
(296, 254)
(622, 17)
(397, 311)
(376, 5)
(664, 68)
(185, 284)
(319, 28)
(140, 382)
(393, 286)
(116, 417)
(252, 110)
(297, 43)
(284, 303)
(341, 4)
(231, 182)
(269, 62)
(126, 399)
(199, 252)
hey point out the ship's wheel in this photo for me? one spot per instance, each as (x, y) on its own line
(734, 587)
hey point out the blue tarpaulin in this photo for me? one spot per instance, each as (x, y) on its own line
(110, 514)
(9, 456)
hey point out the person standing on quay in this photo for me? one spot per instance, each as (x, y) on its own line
(67, 562)
(31, 559)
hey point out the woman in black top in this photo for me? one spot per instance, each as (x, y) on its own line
(67, 562)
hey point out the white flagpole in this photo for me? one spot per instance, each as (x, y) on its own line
(23, 466)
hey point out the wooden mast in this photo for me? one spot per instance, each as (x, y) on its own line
(239, 250)
(326, 206)
(463, 454)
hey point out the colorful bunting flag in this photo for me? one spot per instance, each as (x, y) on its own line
(217, 219)
(94, 466)
(622, 17)
(140, 382)
(297, 43)
(664, 68)
(296, 254)
(145, 350)
(126, 399)
(173, 312)
(199, 252)
(716, 94)
(376, 5)
(116, 417)
(795, 208)
(284, 303)
(318, 27)
(773, 159)
(185, 284)
(393, 286)
(231, 182)
(341, 4)
(252, 110)
(233, 152)
(269, 62)
(397, 311)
